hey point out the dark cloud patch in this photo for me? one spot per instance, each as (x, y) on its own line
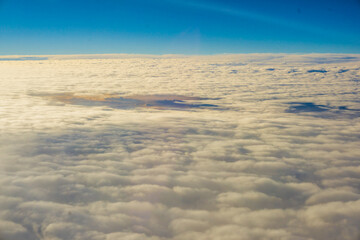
(158, 101)
(323, 111)
(178, 104)
(343, 70)
(23, 58)
(234, 64)
(317, 71)
(298, 107)
(332, 59)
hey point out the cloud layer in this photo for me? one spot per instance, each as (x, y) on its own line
(269, 165)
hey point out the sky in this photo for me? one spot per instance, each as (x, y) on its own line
(41, 27)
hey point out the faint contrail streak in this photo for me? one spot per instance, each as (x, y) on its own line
(243, 13)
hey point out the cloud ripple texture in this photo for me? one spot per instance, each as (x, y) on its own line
(229, 147)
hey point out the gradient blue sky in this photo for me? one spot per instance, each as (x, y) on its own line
(178, 26)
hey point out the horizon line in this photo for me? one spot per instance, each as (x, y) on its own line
(180, 54)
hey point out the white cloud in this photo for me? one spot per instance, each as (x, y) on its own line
(250, 168)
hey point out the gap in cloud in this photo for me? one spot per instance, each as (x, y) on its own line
(298, 107)
(323, 111)
(23, 58)
(317, 71)
(157, 101)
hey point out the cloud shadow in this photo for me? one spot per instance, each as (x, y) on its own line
(157, 101)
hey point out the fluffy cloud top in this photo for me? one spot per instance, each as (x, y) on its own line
(279, 158)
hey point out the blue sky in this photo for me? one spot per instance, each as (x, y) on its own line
(178, 26)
